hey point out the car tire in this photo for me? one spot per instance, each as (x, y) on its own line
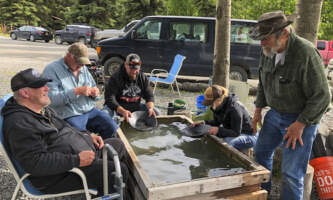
(47, 41)
(13, 36)
(112, 65)
(238, 73)
(57, 39)
(82, 40)
(32, 38)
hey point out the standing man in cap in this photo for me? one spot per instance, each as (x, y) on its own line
(293, 84)
(127, 86)
(73, 93)
(47, 147)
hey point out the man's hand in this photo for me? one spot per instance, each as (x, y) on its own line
(256, 119)
(97, 140)
(126, 114)
(86, 158)
(294, 133)
(213, 130)
(151, 112)
(94, 92)
(83, 90)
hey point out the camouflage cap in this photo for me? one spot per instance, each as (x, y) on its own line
(268, 23)
(80, 52)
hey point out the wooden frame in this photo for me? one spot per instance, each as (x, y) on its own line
(244, 185)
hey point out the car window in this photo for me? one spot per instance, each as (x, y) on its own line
(188, 31)
(40, 28)
(320, 45)
(23, 28)
(130, 25)
(240, 34)
(150, 30)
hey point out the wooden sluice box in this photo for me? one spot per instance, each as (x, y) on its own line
(170, 166)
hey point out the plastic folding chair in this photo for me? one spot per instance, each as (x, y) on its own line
(30, 191)
(171, 76)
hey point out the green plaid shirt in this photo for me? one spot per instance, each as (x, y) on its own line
(298, 86)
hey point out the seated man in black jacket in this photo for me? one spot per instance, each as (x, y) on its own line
(47, 146)
(127, 86)
(232, 122)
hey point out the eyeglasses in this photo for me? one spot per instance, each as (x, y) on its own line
(135, 63)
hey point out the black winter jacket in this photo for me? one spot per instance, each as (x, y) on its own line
(44, 145)
(233, 117)
(127, 93)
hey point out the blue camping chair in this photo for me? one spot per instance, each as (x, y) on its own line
(29, 190)
(171, 76)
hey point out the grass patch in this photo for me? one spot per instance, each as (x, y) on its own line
(4, 34)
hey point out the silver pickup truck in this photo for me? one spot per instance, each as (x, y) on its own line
(110, 33)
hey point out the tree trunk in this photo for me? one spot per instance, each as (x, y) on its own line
(308, 19)
(221, 64)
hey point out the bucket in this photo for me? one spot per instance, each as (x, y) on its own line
(201, 108)
(323, 175)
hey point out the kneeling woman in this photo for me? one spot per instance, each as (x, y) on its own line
(232, 122)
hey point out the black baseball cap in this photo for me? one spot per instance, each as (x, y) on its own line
(28, 78)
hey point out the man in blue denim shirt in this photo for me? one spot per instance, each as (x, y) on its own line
(293, 84)
(73, 93)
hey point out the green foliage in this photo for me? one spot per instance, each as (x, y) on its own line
(55, 14)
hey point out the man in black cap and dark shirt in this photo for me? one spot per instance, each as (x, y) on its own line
(46, 146)
(127, 86)
(293, 84)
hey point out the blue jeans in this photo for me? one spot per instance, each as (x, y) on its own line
(142, 107)
(244, 141)
(294, 162)
(95, 121)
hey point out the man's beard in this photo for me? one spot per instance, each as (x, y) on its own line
(271, 51)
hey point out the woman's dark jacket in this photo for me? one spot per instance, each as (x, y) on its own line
(233, 117)
(44, 145)
(123, 91)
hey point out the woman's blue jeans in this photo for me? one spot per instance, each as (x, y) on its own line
(244, 141)
(294, 162)
(95, 121)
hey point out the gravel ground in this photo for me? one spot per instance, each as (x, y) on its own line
(9, 67)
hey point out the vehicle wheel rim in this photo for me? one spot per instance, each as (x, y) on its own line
(113, 67)
(12, 36)
(58, 40)
(82, 40)
(32, 38)
(236, 76)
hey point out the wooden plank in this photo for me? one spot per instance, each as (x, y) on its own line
(207, 185)
(244, 193)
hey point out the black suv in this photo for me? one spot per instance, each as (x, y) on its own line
(75, 33)
(157, 39)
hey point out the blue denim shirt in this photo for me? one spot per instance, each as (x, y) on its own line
(63, 99)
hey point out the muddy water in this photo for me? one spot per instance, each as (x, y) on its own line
(168, 157)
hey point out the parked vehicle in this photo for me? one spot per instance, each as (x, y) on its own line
(157, 39)
(110, 33)
(75, 33)
(325, 48)
(31, 33)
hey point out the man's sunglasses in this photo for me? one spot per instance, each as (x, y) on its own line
(132, 65)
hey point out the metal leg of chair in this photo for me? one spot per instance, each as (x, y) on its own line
(16, 191)
(173, 91)
(177, 88)
(155, 84)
